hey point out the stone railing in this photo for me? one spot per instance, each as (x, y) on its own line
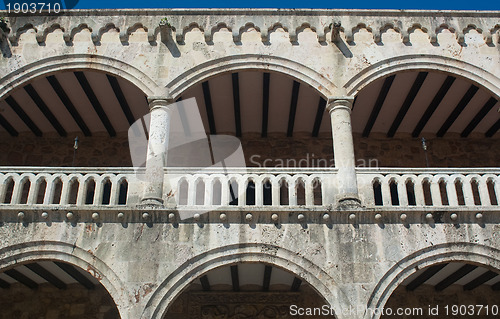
(251, 188)
(416, 187)
(39, 186)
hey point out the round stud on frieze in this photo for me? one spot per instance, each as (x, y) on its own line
(145, 216)
(378, 217)
(479, 216)
(301, 217)
(196, 217)
(120, 216)
(70, 215)
(95, 216)
(403, 217)
(352, 217)
(45, 215)
(223, 217)
(249, 217)
(326, 217)
(429, 217)
(275, 217)
(21, 215)
(171, 217)
(454, 217)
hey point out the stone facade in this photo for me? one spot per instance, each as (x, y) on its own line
(355, 248)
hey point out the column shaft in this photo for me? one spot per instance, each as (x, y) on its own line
(343, 148)
(156, 159)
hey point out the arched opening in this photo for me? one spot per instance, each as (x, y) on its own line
(48, 288)
(410, 192)
(377, 193)
(284, 192)
(267, 195)
(44, 116)
(245, 290)
(453, 288)
(269, 112)
(444, 193)
(393, 187)
(183, 192)
(456, 115)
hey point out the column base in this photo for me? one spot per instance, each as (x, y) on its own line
(152, 201)
(348, 201)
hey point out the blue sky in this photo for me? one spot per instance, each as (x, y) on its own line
(359, 4)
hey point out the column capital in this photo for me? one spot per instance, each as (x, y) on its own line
(339, 102)
(158, 101)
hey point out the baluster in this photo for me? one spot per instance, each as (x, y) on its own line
(293, 185)
(35, 180)
(224, 192)
(209, 187)
(419, 191)
(17, 191)
(435, 192)
(259, 191)
(66, 186)
(496, 188)
(484, 194)
(386, 192)
(467, 189)
(451, 191)
(82, 191)
(115, 190)
(275, 191)
(402, 193)
(49, 191)
(309, 191)
(99, 190)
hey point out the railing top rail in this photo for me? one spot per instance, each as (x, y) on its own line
(173, 170)
(430, 170)
(251, 170)
(68, 169)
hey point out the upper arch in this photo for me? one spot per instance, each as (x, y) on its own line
(175, 283)
(68, 62)
(212, 68)
(424, 62)
(460, 251)
(52, 250)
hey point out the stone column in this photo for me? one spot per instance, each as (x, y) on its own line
(156, 160)
(343, 149)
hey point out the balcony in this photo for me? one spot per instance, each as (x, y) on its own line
(251, 189)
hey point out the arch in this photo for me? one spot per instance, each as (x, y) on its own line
(209, 69)
(73, 62)
(423, 62)
(175, 283)
(486, 256)
(52, 250)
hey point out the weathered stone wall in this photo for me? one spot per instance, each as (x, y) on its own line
(272, 151)
(97, 150)
(426, 297)
(75, 302)
(442, 152)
